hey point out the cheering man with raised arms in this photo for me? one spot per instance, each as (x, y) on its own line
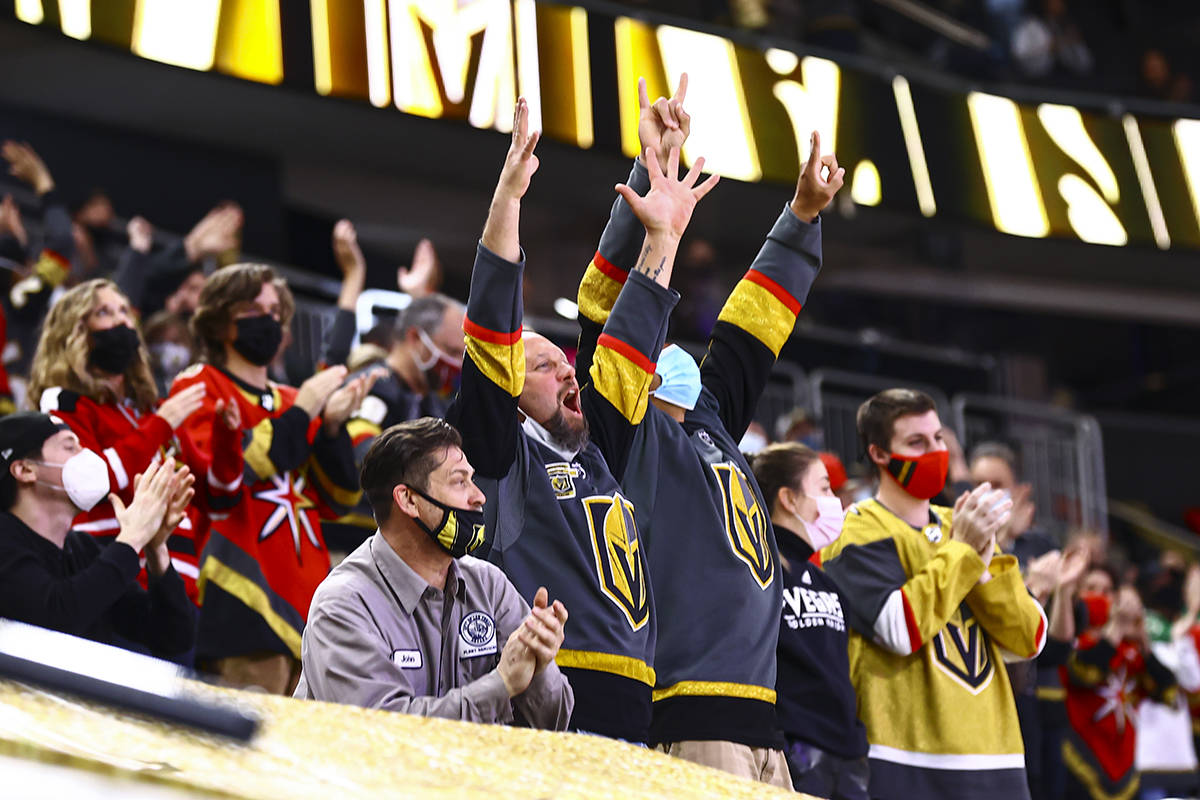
(549, 455)
(698, 506)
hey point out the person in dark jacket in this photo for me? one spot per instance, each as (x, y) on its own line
(64, 580)
(816, 703)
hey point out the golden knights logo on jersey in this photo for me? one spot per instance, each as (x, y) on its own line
(745, 523)
(618, 555)
(562, 478)
(963, 651)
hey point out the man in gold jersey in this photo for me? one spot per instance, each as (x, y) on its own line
(935, 610)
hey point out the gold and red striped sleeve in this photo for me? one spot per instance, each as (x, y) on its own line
(499, 356)
(763, 308)
(622, 375)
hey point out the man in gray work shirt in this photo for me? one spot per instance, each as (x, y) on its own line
(409, 622)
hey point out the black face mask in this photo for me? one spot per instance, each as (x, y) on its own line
(258, 339)
(460, 531)
(114, 349)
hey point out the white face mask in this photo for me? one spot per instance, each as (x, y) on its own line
(436, 354)
(84, 477)
(752, 442)
(825, 530)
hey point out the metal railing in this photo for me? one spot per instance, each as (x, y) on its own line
(1061, 455)
(835, 396)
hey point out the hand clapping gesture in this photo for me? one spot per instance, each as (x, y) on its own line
(978, 515)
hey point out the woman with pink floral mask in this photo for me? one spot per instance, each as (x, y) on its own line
(826, 744)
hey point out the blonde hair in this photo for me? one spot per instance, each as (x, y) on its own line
(61, 358)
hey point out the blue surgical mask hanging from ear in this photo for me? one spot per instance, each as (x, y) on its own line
(680, 377)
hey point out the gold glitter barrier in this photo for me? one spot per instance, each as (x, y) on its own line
(321, 750)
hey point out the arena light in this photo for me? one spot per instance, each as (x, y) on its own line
(414, 86)
(912, 144)
(1091, 218)
(809, 105)
(582, 70)
(249, 43)
(627, 77)
(182, 34)
(76, 17)
(379, 81)
(529, 79)
(1065, 126)
(1013, 193)
(1187, 142)
(568, 309)
(1141, 164)
(865, 188)
(322, 62)
(722, 133)
(495, 90)
(30, 11)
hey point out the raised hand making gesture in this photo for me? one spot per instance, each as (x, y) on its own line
(24, 163)
(820, 179)
(666, 211)
(663, 124)
(500, 232)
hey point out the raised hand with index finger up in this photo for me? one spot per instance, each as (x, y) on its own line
(820, 179)
(663, 124)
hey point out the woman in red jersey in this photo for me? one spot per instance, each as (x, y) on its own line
(92, 370)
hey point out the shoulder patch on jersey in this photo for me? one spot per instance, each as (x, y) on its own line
(56, 398)
(373, 410)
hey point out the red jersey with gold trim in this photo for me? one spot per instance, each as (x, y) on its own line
(1105, 685)
(268, 485)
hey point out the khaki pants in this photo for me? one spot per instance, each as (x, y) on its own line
(756, 763)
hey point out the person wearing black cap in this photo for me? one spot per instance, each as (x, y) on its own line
(63, 580)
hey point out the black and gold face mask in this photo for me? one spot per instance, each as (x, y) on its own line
(460, 531)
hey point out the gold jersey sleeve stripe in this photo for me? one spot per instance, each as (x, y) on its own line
(502, 364)
(758, 311)
(357, 427)
(599, 288)
(715, 689)
(625, 666)
(249, 593)
(256, 453)
(622, 376)
(347, 498)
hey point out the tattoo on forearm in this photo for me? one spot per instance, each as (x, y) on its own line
(641, 262)
(644, 267)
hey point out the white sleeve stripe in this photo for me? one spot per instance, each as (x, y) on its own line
(118, 468)
(1045, 628)
(184, 568)
(891, 628)
(232, 486)
(49, 400)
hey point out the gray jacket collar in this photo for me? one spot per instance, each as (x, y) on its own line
(403, 580)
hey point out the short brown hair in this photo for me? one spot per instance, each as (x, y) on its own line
(877, 416)
(404, 454)
(224, 290)
(781, 465)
